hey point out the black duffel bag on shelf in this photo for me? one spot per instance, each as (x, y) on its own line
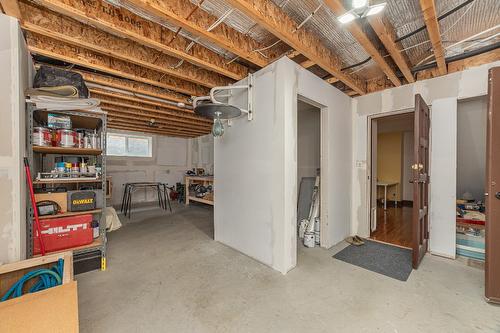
(48, 76)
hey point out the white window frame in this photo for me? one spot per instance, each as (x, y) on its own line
(127, 137)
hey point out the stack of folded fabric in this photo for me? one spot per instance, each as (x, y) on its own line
(60, 89)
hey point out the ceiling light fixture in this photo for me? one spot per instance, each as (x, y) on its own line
(347, 17)
(211, 108)
(375, 9)
(361, 8)
(359, 3)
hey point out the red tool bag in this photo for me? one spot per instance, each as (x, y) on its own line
(64, 233)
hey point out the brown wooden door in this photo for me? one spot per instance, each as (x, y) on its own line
(492, 271)
(420, 168)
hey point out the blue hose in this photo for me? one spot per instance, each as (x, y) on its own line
(47, 278)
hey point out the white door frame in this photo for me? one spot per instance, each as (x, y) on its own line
(324, 139)
(369, 159)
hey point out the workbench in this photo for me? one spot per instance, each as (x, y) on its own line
(203, 180)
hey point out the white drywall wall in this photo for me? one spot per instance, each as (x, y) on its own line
(171, 158)
(443, 166)
(471, 154)
(462, 85)
(256, 166)
(309, 141)
(16, 77)
(202, 153)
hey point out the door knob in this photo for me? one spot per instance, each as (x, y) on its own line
(497, 195)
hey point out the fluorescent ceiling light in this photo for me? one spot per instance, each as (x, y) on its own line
(346, 18)
(359, 3)
(375, 9)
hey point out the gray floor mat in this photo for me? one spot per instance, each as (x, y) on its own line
(385, 259)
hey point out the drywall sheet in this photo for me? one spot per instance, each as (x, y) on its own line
(443, 175)
(244, 174)
(171, 151)
(16, 77)
(460, 86)
(256, 166)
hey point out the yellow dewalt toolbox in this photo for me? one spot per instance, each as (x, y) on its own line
(81, 200)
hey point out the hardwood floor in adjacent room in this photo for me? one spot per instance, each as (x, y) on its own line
(394, 226)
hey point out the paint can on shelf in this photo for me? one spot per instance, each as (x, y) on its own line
(42, 136)
(65, 138)
(95, 229)
(60, 167)
(79, 139)
(93, 140)
(83, 167)
(75, 170)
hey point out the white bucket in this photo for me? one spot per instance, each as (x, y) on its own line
(309, 240)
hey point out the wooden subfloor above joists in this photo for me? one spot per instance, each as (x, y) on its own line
(276, 21)
(224, 36)
(52, 48)
(137, 88)
(56, 26)
(123, 23)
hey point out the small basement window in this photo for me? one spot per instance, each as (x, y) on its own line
(118, 144)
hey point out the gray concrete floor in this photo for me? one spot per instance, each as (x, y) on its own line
(166, 274)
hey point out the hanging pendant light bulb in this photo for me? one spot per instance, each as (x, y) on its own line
(218, 127)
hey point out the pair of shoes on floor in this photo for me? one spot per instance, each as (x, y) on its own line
(355, 240)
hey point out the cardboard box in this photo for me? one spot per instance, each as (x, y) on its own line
(50, 310)
(61, 198)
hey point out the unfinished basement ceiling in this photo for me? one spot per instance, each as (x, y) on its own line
(181, 48)
(138, 11)
(406, 17)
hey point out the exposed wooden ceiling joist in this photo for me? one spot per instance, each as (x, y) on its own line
(177, 11)
(123, 23)
(133, 87)
(11, 8)
(59, 27)
(307, 63)
(463, 64)
(149, 130)
(355, 29)
(385, 32)
(273, 19)
(115, 118)
(124, 111)
(52, 48)
(432, 24)
(180, 117)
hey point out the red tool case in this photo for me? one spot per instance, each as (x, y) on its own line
(63, 233)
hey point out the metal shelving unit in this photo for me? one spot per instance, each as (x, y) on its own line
(36, 155)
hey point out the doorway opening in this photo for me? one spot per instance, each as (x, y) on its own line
(308, 175)
(471, 179)
(391, 199)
